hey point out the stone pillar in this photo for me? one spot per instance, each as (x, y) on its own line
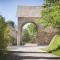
(18, 39)
(19, 33)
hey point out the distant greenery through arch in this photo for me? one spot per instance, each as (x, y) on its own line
(29, 32)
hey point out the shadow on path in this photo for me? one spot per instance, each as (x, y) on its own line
(19, 57)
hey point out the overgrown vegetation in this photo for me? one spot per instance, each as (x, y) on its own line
(51, 13)
(29, 33)
(54, 46)
(4, 33)
(11, 23)
(26, 37)
(51, 17)
(55, 42)
(4, 38)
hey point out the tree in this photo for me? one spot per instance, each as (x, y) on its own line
(29, 33)
(51, 17)
(11, 23)
(51, 13)
(4, 33)
(26, 37)
(32, 30)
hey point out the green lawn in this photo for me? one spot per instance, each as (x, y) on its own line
(54, 46)
(55, 42)
(57, 52)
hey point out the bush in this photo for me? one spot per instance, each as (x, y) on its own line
(4, 35)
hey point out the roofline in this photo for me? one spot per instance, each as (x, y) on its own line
(28, 6)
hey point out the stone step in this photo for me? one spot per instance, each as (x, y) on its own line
(33, 56)
(41, 59)
(30, 53)
(26, 48)
(36, 55)
(27, 52)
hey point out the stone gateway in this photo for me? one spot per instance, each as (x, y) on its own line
(26, 14)
(29, 14)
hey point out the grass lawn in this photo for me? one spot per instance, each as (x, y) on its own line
(56, 52)
(55, 43)
(54, 46)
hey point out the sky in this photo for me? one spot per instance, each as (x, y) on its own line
(8, 8)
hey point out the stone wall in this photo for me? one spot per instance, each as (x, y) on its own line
(43, 37)
(29, 11)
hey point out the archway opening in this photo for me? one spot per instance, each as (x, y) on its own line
(29, 33)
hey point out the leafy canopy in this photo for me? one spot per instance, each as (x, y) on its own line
(51, 13)
(11, 23)
(30, 32)
(4, 33)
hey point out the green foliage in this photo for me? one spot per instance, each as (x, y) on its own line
(11, 23)
(26, 37)
(4, 36)
(51, 17)
(57, 52)
(51, 1)
(51, 13)
(54, 45)
(32, 29)
(29, 33)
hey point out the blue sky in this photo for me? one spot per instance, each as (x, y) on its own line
(8, 7)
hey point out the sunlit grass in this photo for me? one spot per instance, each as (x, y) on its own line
(54, 46)
(55, 42)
